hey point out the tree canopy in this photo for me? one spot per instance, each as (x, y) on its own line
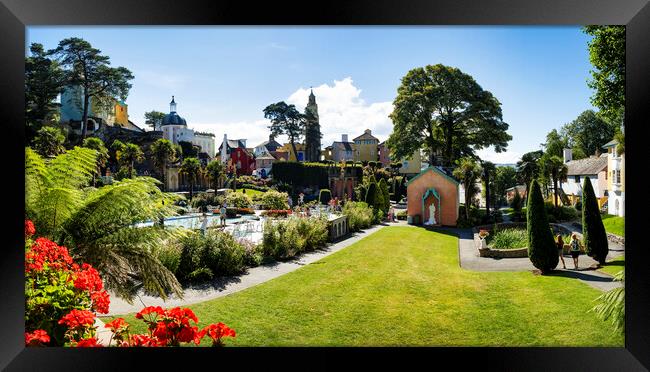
(588, 133)
(444, 110)
(153, 118)
(286, 119)
(468, 171)
(49, 142)
(528, 167)
(86, 67)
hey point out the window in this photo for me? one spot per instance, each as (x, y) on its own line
(577, 179)
(618, 176)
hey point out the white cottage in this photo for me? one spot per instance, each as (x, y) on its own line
(594, 167)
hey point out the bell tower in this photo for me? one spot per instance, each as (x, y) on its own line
(312, 130)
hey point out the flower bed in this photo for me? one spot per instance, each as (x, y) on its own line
(63, 297)
(276, 213)
(513, 251)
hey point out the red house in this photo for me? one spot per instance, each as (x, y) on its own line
(240, 156)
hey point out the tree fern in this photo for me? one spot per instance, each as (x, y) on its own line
(98, 224)
(612, 305)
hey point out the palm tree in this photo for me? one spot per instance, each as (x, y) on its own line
(488, 170)
(98, 224)
(163, 151)
(191, 168)
(468, 171)
(102, 153)
(555, 169)
(215, 170)
(129, 156)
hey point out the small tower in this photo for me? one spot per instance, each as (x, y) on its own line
(312, 130)
(172, 106)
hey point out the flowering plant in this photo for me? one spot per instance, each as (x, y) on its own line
(277, 212)
(62, 299)
(483, 234)
(60, 296)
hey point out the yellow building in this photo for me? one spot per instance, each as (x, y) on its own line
(292, 156)
(615, 180)
(412, 165)
(365, 147)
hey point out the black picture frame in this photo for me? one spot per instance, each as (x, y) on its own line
(15, 15)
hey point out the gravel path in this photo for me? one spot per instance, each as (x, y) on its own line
(228, 285)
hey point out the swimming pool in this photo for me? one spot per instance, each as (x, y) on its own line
(194, 222)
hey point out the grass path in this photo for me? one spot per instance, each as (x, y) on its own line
(403, 286)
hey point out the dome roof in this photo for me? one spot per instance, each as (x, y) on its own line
(173, 119)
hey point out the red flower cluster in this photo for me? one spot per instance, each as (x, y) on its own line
(277, 212)
(87, 342)
(36, 338)
(78, 319)
(215, 332)
(45, 253)
(29, 228)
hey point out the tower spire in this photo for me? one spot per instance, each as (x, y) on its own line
(172, 105)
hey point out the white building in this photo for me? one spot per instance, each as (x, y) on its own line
(616, 180)
(594, 167)
(175, 129)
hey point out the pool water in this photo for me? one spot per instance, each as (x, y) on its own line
(194, 222)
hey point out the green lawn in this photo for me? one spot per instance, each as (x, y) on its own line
(403, 286)
(251, 192)
(614, 224)
(614, 266)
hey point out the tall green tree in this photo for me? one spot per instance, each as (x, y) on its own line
(588, 133)
(528, 167)
(163, 152)
(607, 56)
(191, 168)
(102, 154)
(49, 142)
(98, 224)
(153, 118)
(468, 171)
(489, 170)
(554, 169)
(593, 231)
(505, 178)
(555, 144)
(215, 171)
(541, 245)
(442, 109)
(286, 119)
(43, 83)
(86, 67)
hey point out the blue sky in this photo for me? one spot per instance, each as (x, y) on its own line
(222, 77)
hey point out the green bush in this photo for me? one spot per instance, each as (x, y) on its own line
(541, 245)
(221, 253)
(284, 239)
(274, 200)
(560, 213)
(204, 256)
(360, 215)
(170, 256)
(324, 196)
(508, 239)
(238, 200)
(593, 230)
(253, 254)
(385, 197)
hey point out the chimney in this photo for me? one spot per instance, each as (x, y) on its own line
(367, 131)
(344, 138)
(568, 155)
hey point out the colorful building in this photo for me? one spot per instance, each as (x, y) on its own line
(410, 166)
(300, 148)
(175, 129)
(594, 167)
(238, 155)
(432, 198)
(615, 180)
(366, 147)
(340, 151)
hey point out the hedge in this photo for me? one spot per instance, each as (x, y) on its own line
(307, 174)
(593, 231)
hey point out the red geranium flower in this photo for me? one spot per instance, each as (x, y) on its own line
(215, 332)
(101, 301)
(143, 340)
(78, 318)
(29, 228)
(37, 337)
(117, 324)
(150, 309)
(88, 342)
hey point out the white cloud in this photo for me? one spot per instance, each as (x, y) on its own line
(341, 110)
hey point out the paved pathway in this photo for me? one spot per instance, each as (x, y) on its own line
(228, 285)
(469, 259)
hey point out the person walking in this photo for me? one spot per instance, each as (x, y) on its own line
(575, 249)
(222, 215)
(204, 221)
(560, 248)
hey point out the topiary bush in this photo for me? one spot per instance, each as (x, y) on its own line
(541, 245)
(593, 231)
(324, 196)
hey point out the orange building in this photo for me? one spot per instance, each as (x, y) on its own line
(432, 199)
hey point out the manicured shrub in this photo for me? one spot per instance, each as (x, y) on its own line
(385, 197)
(274, 200)
(360, 215)
(284, 239)
(238, 200)
(541, 245)
(371, 195)
(360, 192)
(593, 231)
(324, 196)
